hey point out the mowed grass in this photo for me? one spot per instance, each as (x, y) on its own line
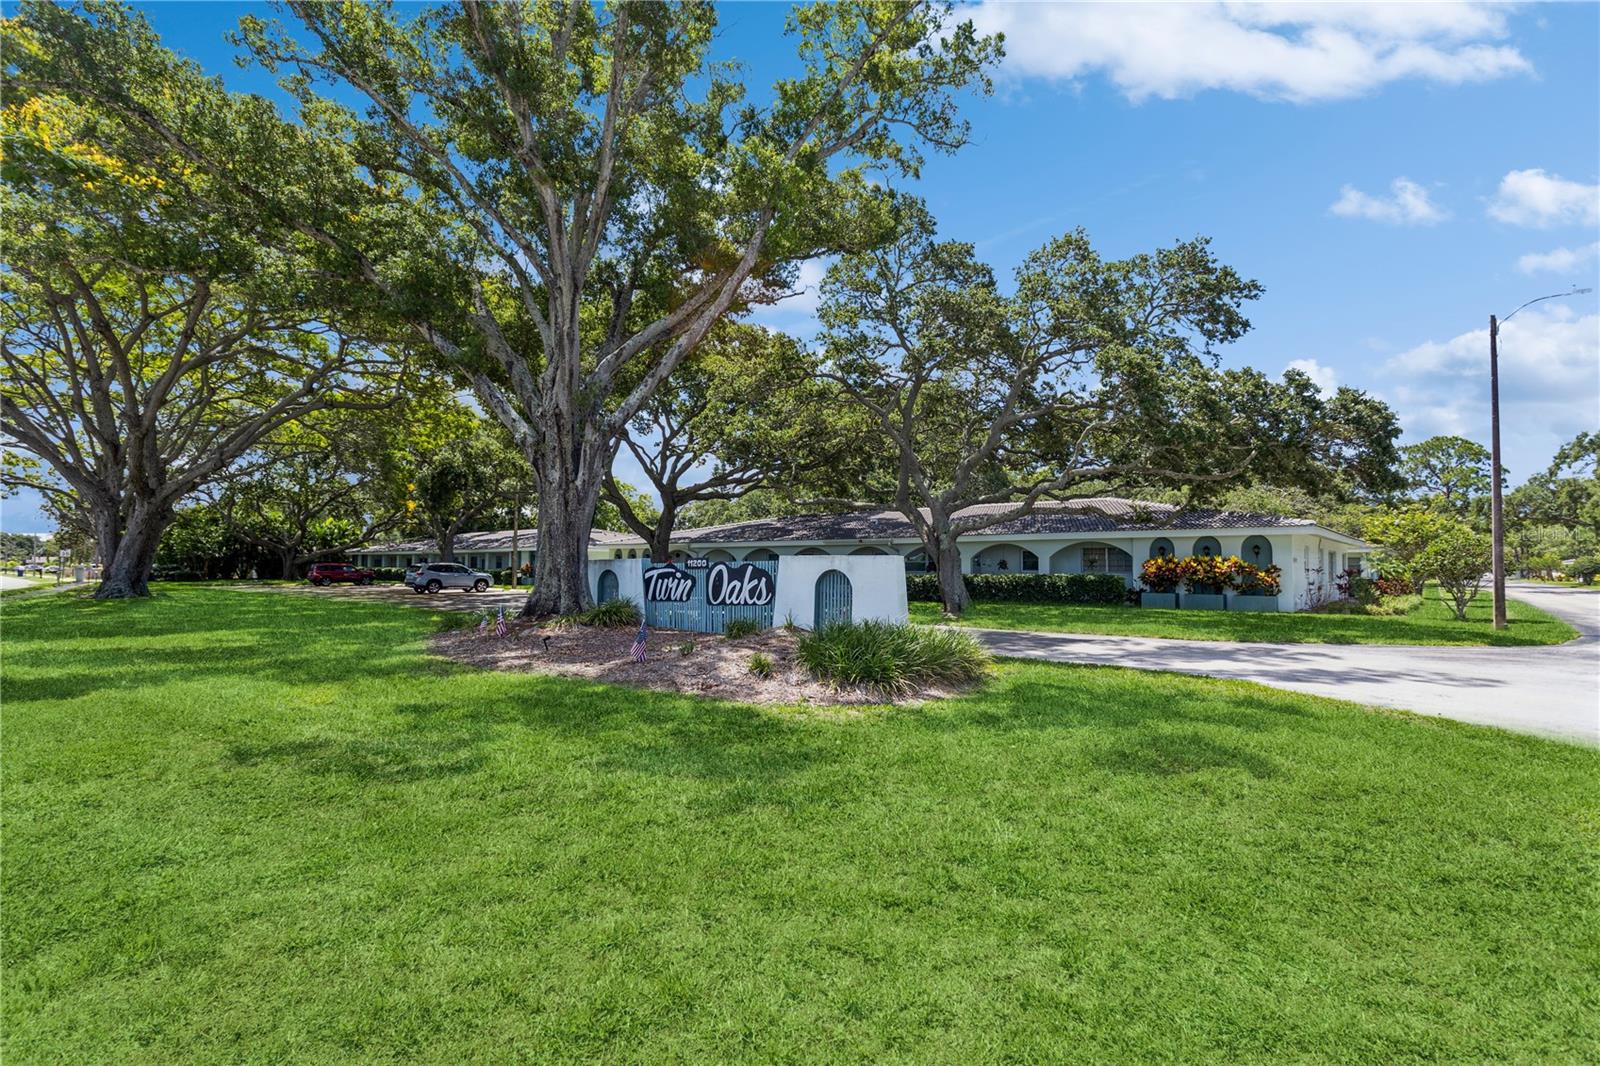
(1434, 622)
(266, 828)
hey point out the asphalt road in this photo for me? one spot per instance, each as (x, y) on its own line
(1549, 691)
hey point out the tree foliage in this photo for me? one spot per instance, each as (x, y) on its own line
(1402, 535)
(560, 197)
(1457, 558)
(745, 410)
(156, 325)
(1447, 472)
(1093, 373)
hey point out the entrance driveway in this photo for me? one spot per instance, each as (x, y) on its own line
(1549, 691)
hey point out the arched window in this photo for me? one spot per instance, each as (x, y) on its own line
(1160, 548)
(1030, 562)
(608, 586)
(917, 563)
(868, 549)
(1257, 551)
(760, 555)
(811, 551)
(1207, 546)
(719, 556)
(1003, 559)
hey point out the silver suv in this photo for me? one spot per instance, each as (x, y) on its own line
(431, 577)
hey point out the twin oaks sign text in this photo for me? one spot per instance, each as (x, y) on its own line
(726, 584)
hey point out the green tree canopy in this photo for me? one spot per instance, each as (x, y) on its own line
(551, 194)
(1450, 473)
(1093, 374)
(157, 326)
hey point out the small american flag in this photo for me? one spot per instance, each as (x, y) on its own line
(500, 624)
(638, 643)
(483, 624)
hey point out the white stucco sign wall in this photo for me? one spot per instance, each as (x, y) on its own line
(877, 587)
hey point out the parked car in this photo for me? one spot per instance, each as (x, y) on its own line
(327, 573)
(431, 577)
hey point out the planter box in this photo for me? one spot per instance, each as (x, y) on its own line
(1168, 600)
(1253, 603)
(1204, 601)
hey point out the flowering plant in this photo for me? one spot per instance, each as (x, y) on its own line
(1163, 573)
(1258, 580)
(1210, 573)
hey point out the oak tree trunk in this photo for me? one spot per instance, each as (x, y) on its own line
(661, 537)
(573, 456)
(952, 586)
(128, 549)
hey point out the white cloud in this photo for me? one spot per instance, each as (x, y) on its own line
(1534, 198)
(1549, 384)
(1406, 205)
(1323, 376)
(796, 314)
(1282, 51)
(1558, 260)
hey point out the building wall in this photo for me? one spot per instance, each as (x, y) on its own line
(630, 578)
(877, 587)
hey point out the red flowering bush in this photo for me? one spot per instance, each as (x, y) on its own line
(1394, 586)
(1164, 573)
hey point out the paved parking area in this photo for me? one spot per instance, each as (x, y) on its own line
(443, 600)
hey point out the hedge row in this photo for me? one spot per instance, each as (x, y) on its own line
(1026, 588)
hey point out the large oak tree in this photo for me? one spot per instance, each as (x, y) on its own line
(155, 328)
(1090, 376)
(520, 172)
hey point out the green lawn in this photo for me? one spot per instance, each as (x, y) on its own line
(270, 828)
(1432, 623)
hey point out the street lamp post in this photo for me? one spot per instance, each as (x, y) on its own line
(1497, 526)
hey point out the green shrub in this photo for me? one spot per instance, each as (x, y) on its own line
(1364, 591)
(687, 647)
(741, 627)
(890, 657)
(387, 573)
(761, 665)
(1387, 607)
(613, 614)
(1025, 588)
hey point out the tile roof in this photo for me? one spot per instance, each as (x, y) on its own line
(1107, 514)
(497, 540)
(1098, 515)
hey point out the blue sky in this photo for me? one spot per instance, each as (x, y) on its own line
(1390, 174)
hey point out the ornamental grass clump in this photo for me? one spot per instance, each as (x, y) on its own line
(613, 614)
(741, 627)
(896, 659)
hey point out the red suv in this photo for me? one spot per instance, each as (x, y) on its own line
(328, 573)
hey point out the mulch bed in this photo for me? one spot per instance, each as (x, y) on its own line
(716, 667)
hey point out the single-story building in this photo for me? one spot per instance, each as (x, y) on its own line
(1107, 535)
